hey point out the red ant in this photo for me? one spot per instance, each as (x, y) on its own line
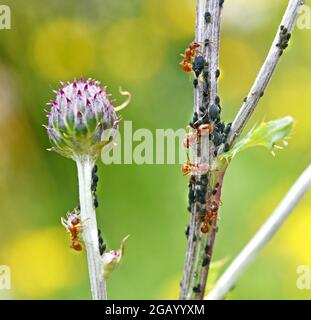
(190, 52)
(189, 139)
(72, 224)
(192, 136)
(205, 227)
(210, 217)
(189, 167)
(186, 66)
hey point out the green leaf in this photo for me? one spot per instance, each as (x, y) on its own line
(267, 134)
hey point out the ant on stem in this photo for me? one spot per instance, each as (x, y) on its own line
(72, 223)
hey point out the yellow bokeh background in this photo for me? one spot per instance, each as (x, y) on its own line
(40, 263)
(63, 48)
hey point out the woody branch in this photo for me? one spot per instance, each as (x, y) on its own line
(205, 93)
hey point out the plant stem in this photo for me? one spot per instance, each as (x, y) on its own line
(210, 244)
(264, 75)
(200, 245)
(203, 153)
(89, 230)
(262, 237)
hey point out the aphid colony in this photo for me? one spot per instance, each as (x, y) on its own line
(283, 40)
(205, 262)
(206, 122)
(73, 223)
(94, 186)
(202, 200)
(206, 210)
(203, 194)
(101, 244)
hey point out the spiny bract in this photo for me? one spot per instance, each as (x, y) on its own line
(80, 113)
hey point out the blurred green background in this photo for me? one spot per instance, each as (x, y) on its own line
(137, 44)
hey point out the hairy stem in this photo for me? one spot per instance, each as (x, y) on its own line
(89, 230)
(262, 237)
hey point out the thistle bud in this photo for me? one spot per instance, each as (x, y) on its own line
(79, 114)
(111, 259)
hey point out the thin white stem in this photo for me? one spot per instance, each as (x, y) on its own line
(264, 74)
(89, 227)
(263, 236)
